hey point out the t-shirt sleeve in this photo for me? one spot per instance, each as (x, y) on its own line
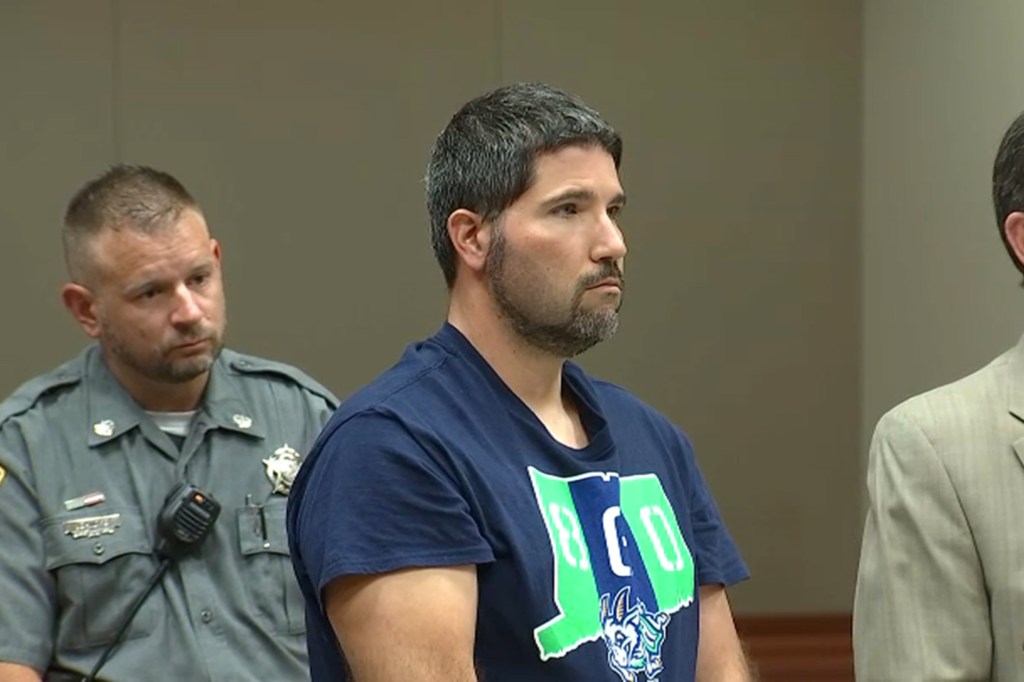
(717, 556)
(381, 497)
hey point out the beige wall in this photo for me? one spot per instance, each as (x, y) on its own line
(304, 131)
(942, 81)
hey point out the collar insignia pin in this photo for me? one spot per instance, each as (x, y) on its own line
(242, 421)
(104, 428)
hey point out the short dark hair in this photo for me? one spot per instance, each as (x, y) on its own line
(484, 158)
(1008, 181)
(124, 197)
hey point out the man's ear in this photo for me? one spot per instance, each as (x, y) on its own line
(82, 305)
(1013, 229)
(470, 237)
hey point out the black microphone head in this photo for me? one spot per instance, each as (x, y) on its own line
(185, 521)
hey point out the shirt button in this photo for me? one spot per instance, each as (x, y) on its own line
(97, 549)
(206, 615)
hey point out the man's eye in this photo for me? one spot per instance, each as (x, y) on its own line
(614, 212)
(566, 210)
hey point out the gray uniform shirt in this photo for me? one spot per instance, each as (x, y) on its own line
(70, 566)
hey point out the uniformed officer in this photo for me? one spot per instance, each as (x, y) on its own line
(90, 452)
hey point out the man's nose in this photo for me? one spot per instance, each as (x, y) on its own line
(611, 245)
(186, 307)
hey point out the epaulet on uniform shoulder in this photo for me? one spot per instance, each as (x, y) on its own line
(29, 393)
(250, 364)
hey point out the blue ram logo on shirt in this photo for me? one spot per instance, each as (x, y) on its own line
(633, 635)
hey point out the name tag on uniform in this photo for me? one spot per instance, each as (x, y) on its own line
(92, 526)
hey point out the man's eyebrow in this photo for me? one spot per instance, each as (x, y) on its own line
(148, 281)
(583, 195)
(138, 286)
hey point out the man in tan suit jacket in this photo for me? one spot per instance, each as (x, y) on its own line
(940, 590)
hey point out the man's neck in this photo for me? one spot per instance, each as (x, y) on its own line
(534, 375)
(531, 373)
(160, 396)
(167, 397)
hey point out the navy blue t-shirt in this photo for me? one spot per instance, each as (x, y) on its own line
(588, 560)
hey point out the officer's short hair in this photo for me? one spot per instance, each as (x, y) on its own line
(125, 197)
(484, 158)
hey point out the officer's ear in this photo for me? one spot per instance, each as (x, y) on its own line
(82, 305)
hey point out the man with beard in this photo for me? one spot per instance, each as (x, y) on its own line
(485, 509)
(90, 452)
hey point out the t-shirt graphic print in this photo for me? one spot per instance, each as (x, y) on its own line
(622, 567)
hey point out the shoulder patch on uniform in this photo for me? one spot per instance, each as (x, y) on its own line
(250, 364)
(26, 395)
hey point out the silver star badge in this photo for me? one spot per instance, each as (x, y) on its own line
(282, 467)
(104, 428)
(242, 421)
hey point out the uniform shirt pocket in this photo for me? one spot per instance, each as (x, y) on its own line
(100, 562)
(268, 574)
